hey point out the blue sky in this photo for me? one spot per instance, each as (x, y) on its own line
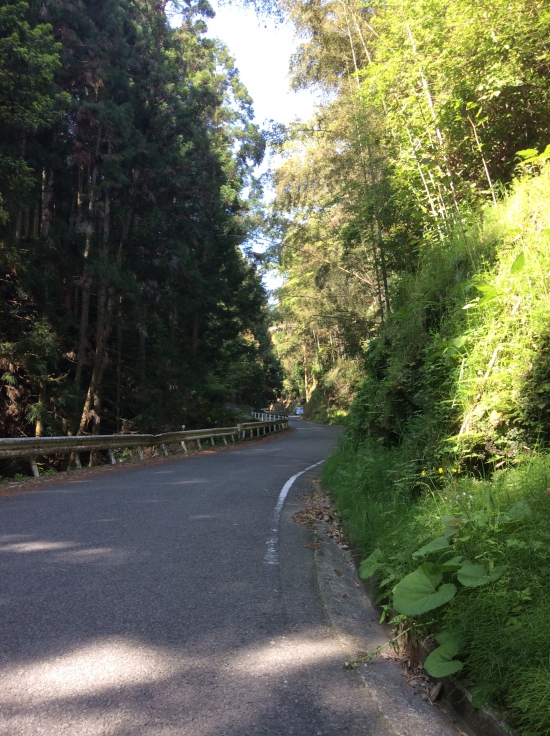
(262, 50)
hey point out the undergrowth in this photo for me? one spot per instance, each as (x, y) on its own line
(502, 626)
(442, 478)
(332, 397)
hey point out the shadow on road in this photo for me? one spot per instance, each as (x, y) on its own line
(139, 605)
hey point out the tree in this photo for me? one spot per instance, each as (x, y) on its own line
(128, 301)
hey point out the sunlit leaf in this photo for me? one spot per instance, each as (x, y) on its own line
(527, 153)
(418, 591)
(458, 342)
(518, 264)
(486, 289)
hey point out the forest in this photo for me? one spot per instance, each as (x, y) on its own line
(411, 224)
(128, 298)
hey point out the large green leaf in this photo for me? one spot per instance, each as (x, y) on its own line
(436, 545)
(440, 662)
(368, 567)
(527, 153)
(452, 565)
(520, 511)
(472, 575)
(418, 591)
(518, 264)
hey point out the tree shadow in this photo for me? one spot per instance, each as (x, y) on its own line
(123, 615)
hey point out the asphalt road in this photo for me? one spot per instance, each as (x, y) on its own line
(159, 600)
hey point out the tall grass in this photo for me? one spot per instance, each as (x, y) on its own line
(453, 418)
(504, 627)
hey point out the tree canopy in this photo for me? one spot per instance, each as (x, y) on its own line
(425, 106)
(126, 145)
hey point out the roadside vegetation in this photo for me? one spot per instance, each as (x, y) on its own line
(412, 225)
(443, 477)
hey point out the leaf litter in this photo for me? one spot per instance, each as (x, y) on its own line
(320, 509)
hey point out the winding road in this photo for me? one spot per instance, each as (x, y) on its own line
(176, 598)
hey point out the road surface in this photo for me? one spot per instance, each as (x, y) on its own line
(174, 599)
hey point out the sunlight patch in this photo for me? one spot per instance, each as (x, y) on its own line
(95, 668)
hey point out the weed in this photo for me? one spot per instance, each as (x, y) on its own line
(501, 622)
(441, 480)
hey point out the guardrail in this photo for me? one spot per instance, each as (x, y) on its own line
(267, 416)
(32, 446)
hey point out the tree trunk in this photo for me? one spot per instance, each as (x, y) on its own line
(92, 404)
(306, 378)
(195, 338)
(86, 281)
(105, 305)
(119, 366)
(47, 202)
(39, 427)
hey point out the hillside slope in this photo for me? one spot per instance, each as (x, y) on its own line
(446, 447)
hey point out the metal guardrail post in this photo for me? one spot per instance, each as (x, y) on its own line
(34, 466)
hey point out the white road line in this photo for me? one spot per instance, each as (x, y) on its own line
(272, 556)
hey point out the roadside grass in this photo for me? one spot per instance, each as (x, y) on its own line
(451, 422)
(504, 626)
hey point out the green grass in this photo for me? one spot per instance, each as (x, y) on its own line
(452, 418)
(503, 626)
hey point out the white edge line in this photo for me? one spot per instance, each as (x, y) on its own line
(272, 557)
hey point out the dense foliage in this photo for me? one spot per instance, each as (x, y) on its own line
(444, 462)
(426, 106)
(125, 146)
(412, 225)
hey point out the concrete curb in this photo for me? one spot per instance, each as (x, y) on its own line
(355, 622)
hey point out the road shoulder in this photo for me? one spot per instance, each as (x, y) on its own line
(355, 622)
